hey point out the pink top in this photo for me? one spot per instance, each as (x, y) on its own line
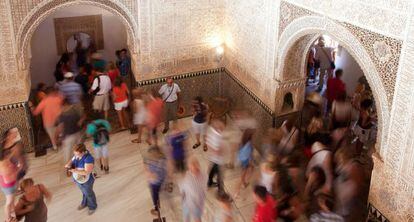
(155, 112)
(8, 174)
(113, 74)
(50, 107)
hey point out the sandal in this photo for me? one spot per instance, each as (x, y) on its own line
(196, 145)
(205, 148)
(136, 141)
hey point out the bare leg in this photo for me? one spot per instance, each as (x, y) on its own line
(198, 138)
(125, 117)
(106, 114)
(120, 117)
(9, 207)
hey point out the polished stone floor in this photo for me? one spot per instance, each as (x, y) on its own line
(123, 194)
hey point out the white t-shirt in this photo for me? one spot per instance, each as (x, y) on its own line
(324, 55)
(105, 84)
(214, 140)
(165, 91)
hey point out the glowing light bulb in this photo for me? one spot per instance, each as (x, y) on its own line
(220, 50)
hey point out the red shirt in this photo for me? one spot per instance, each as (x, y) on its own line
(113, 74)
(120, 93)
(266, 212)
(334, 88)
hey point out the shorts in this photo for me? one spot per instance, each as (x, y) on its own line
(101, 102)
(245, 164)
(101, 151)
(190, 216)
(199, 128)
(9, 190)
(121, 105)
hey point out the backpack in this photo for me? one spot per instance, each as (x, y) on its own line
(101, 137)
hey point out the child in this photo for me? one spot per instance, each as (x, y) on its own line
(99, 130)
(176, 140)
(265, 206)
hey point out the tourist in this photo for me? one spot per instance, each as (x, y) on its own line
(193, 191)
(98, 62)
(224, 210)
(124, 63)
(31, 204)
(81, 167)
(245, 158)
(267, 175)
(325, 61)
(83, 78)
(214, 140)
(364, 128)
(120, 95)
(140, 112)
(199, 123)
(290, 136)
(71, 90)
(170, 95)
(156, 172)
(50, 108)
(69, 124)
(176, 140)
(13, 167)
(155, 107)
(101, 87)
(335, 87)
(112, 71)
(322, 157)
(99, 130)
(265, 206)
(325, 204)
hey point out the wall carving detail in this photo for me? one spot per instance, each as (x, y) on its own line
(65, 28)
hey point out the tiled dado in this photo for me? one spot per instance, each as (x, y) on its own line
(374, 215)
(214, 83)
(17, 115)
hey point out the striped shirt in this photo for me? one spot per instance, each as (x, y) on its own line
(72, 91)
(326, 217)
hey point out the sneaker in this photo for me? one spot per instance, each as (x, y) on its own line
(90, 212)
(165, 130)
(81, 207)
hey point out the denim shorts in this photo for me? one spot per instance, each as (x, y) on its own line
(9, 190)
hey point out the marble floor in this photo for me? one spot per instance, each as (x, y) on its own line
(123, 194)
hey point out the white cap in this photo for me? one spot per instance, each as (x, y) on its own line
(68, 75)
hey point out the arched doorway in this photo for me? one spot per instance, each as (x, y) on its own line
(292, 55)
(41, 12)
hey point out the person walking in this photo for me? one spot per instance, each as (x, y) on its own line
(99, 130)
(155, 106)
(120, 95)
(215, 147)
(31, 205)
(101, 86)
(50, 108)
(70, 89)
(193, 192)
(140, 112)
(325, 60)
(170, 95)
(176, 140)
(199, 123)
(81, 167)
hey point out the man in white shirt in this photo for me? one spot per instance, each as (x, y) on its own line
(170, 95)
(214, 141)
(326, 57)
(101, 87)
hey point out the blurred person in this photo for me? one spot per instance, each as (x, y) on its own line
(99, 130)
(40, 92)
(101, 88)
(290, 136)
(245, 157)
(193, 192)
(71, 90)
(31, 204)
(322, 157)
(294, 164)
(13, 167)
(364, 128)
(214, 141)
(58, 73)
(270, 142)
(170, 93)
(81, 166)
(315, 133)
(50, 108)
(325, 60)
(267, 176)
(199, 123)
(351, 185)
(335, 87)
(314, 185)
(69, 125)
(120, 94)
(112, 71)
(155, 168)
(98, 62)
(140, 112)
(265, 206)
(312, 107)
(176, 140)
(224, 212)
(83, 78)
(311, 64)
(325, 214)
(124, 63)
(155, 108)
(341, 112)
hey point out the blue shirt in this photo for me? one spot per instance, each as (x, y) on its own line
(79, 164)
(245, 152)
(124, 66)
(157, 167)
(176, 141)
(92, 128)
(72, 91)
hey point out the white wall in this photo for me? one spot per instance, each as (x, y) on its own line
(352, 71)
(44, 51)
